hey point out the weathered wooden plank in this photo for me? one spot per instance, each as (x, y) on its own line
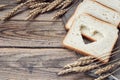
(36, 64)
(32, 34)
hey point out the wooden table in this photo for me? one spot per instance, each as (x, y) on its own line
(32, 50)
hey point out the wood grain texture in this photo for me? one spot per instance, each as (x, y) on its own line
(36, 64)
(32, 34)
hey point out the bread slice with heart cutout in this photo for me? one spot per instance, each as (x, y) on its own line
(97, 10)
(104, 33)
(94, 32)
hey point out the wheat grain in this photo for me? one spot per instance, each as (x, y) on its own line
(107, 68)
(78, 69)
(37, 11)
(78, 63)
(10, 14)
(52, 5)
(103, 77)
(2, 6)
(47, 5)
(60, 5)
(104, 69)
(60, 13)
(39, 5)
(31, 4)
(19, 1)
(64, 4)
(86, 58)
(67, 3)
(81, 61)
(44, 10)
(34, 13)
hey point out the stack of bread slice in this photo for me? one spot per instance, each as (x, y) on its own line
(98, 21)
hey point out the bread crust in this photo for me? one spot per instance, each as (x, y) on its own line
(106, 6)
(96, 19)
(84, 52)
(72, 17)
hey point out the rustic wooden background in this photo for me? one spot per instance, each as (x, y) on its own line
(32, 50)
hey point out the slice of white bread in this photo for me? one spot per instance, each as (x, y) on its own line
(97, 10)
(102, 47)
(92, 32)
(113, 4)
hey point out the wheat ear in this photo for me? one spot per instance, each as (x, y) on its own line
(34, 13)
(52, 5)
(103, 77)
(107, 68)
(10, 14)
(60, 5)
(104, 69)
(39, 5)
(67, 3)
(60, 13)
(78, 69)
(2, 6)
(19, 1)
(81, 61)
(86, 58)
(47, 8)
(78, 63)
(31, 4)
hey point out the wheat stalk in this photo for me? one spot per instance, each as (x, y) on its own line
(103, 77)
(60, 5)
(86, 58)
(36, 5)
(47, 8)
(107, 75)
(52, 5)
(31, 4)
(60, 13)
(80, 61)
(64, 4)
(2, 6)
(43, 4)
(67, 3)
(105, 69)
(10, 14)
(78, 69)
(34, 12)
(19, 1)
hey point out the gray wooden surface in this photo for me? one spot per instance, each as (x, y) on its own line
(33, 50)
